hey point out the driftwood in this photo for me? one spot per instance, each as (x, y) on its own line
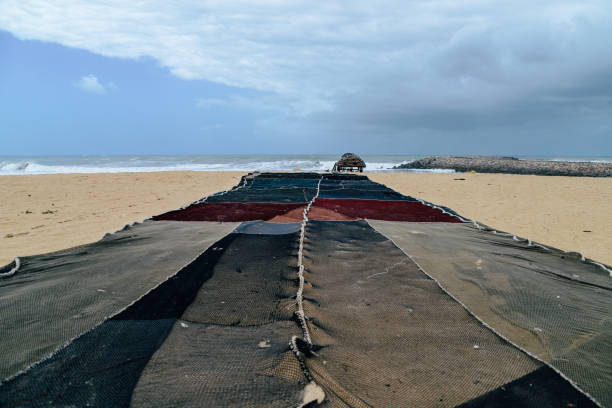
(511, 165)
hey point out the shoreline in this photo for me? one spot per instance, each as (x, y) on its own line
(91, 164)
(50, 212)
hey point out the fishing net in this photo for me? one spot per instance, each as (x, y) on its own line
(279, 293)
(548, 302)
(55, 297)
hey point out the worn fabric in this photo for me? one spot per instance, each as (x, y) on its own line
(55, 297)
(294, 285)
(546, 301)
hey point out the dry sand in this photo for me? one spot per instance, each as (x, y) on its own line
(42, 213)
(570, 213)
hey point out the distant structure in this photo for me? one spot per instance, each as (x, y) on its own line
(511, 165)
(349, 162)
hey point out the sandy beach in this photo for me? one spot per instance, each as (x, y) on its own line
(43, 213)
(570, 213)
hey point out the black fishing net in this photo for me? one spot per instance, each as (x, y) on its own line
(188, 313)
(365, 194)
(273, 195)
(390, 335)
(548, 302)
(54, 297)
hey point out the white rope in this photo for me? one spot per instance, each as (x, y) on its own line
(312, 392)
(13, 269)
(531, 243)
(103, 320)
(467, 309)
(299, 298)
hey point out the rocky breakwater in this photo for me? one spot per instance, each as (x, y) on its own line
(511, 165)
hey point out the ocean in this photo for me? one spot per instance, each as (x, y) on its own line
(148, 163)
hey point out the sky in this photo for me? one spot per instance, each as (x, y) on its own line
(274, 77)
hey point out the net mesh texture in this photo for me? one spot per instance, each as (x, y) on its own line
(410, 308)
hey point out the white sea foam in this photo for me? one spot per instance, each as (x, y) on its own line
(115, 164)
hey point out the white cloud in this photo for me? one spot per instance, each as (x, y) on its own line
(274, 103)
(381, 60)
(89, 83)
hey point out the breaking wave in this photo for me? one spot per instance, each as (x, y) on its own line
(116, 164)
(243, 163)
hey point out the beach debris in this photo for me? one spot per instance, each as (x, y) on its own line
(18, 234)
(476, 346)
(23, 166)
(264, 344)
(312, 393)
(349, 162)
(184, 325)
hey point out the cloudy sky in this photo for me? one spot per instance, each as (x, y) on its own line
(272, 76)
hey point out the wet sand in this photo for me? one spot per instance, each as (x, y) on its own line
(43, 213)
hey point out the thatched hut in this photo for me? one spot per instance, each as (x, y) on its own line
(349, 162)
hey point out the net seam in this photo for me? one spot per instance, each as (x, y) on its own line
(467, 309)
(485, 228)
(293, 343)
(107, 318)
(299, 296)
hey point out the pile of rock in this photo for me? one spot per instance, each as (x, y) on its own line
(511, 165)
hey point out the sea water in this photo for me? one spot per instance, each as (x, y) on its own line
(147, 163)
(135, 163)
